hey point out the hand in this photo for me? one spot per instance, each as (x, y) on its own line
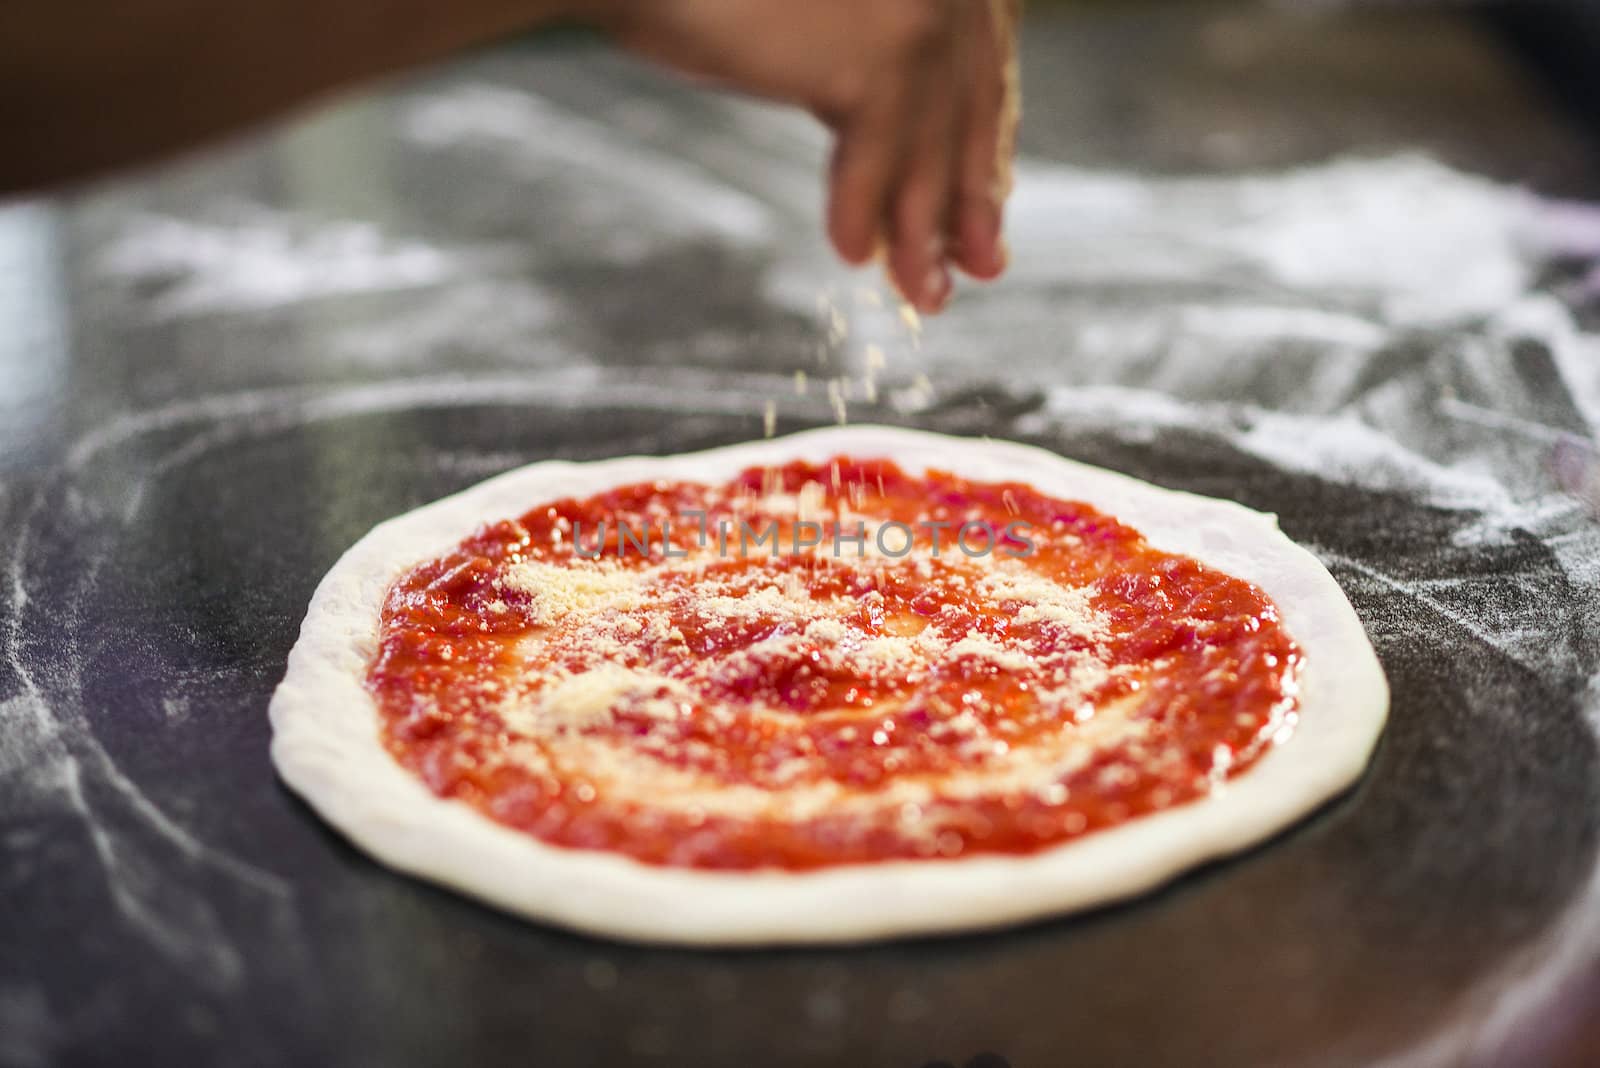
(921, 96)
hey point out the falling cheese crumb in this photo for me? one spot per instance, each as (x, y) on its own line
(836, 398)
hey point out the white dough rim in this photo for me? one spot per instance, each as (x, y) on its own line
(326, 744)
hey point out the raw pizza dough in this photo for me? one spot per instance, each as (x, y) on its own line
(326, 741)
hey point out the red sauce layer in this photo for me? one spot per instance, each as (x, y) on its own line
(1020, 724)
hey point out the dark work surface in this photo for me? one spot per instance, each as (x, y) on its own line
(213, 379)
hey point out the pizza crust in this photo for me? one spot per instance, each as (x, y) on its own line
(326, 732)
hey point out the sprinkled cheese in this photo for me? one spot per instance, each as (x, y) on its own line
(982, 647)
(561, 591)
(588, 699)
(1042, 600)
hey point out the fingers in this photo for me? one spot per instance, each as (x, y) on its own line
(858, 188)
(919, 214)
(983, 170)
(871, 138)
(922, 165)
(870, 122)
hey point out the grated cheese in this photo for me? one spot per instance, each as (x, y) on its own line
(558, 591)
(600, 619)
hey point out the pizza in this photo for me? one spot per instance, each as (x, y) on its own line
(848, 684)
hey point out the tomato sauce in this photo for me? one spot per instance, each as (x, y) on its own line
(1150, 681)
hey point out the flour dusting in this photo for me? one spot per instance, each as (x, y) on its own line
(1407, 238)
(246, 258)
